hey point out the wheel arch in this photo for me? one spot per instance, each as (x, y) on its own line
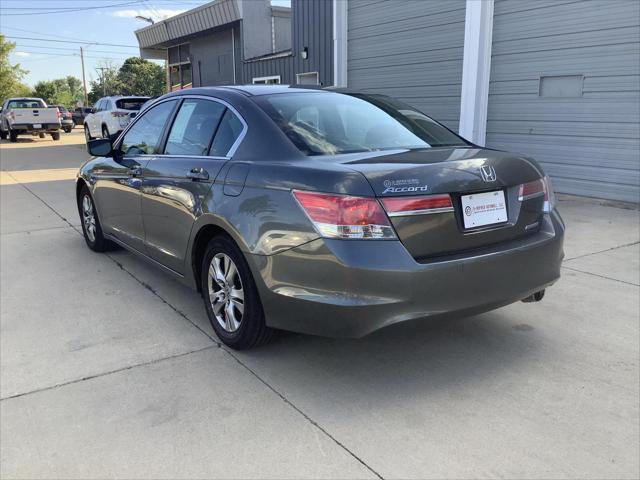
(202, 233)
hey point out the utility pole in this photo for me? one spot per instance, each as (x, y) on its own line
(84, 80)
(104, 83)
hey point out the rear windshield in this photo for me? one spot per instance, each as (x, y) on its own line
(131, 103)
(25, 104)
(322, 123)
(61, 108)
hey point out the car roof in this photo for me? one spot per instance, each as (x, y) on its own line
(253, 90)
(22, 99)
(119, 97)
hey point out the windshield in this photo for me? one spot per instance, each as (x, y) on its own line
(25, 103)
(131, 103)
(321, 123)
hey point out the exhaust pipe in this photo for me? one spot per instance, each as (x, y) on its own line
(536, 297)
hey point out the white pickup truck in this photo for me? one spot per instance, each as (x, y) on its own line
(21, 116)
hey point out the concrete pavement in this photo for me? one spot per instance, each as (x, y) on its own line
(111, 369)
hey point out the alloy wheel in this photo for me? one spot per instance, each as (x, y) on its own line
(89, 218)
(225, 292)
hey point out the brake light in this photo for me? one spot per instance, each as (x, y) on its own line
(119, 114)
(58, 114)
(418, 205)
(539, 188)
(531, 190)
(344, 216)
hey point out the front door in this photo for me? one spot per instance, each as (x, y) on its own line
(118, 183)
(176, 183)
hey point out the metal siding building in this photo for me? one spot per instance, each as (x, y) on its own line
(555, 79)
(312, 29)
(411, 50)
(565, 89)
(564, 83)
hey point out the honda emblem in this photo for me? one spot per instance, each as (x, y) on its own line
(488, 173)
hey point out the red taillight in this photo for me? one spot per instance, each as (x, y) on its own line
(422, 204)
(531, 190)
(58, 113)
(67, 115)
(344, 216)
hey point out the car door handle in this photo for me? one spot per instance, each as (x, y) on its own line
(198, 173)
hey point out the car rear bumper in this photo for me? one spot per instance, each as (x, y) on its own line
(347, 288)
(28, 127)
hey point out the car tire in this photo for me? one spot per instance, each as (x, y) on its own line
(231, 297)
(3, 134)
(105, 132)
(91, 228)
(55, 136)
(68, 130)
(13, 136)
(87, 134)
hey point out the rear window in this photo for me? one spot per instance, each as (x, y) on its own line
(322, 123)
(130, 103)
(25, 104)
(61, 108)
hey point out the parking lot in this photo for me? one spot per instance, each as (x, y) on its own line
(111, 369)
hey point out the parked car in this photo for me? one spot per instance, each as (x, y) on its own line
(320, 212)
(66, 121)
(79, 113)
(111, 115)
(31, 116)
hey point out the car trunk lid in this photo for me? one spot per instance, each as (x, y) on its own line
(463, 174)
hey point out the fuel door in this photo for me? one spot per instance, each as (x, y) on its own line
(235, 179)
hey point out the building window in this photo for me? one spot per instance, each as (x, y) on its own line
(309, 78)
(180, 68)
(272, 80)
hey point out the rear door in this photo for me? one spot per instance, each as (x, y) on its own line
(93, 119)
(202, 138)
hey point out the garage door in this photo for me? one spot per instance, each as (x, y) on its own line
(565, 89)
(411, 50)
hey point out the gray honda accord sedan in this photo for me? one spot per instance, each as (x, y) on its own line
(321, 212)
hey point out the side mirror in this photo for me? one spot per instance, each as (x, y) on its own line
(93, 110)
(100, 148)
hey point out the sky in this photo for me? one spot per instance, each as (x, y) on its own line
(47, 29)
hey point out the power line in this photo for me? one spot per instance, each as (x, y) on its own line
(38, 33)
(72, 41)
(71, 49)
(56, 54)
(70, 10)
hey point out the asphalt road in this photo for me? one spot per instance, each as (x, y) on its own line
(110, 369)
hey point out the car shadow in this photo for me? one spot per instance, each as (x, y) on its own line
(410, 359)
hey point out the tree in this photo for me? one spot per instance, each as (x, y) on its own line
(61, 91)
(10, 75)
(106, 84)
(141, 77)
(136, 76)
(45, 90)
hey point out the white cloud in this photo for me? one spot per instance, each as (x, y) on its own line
(156, 14)
(22, 54)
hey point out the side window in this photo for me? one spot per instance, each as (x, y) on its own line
(100, 105)
(229, 130)
(144, 136)
(193, 128)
